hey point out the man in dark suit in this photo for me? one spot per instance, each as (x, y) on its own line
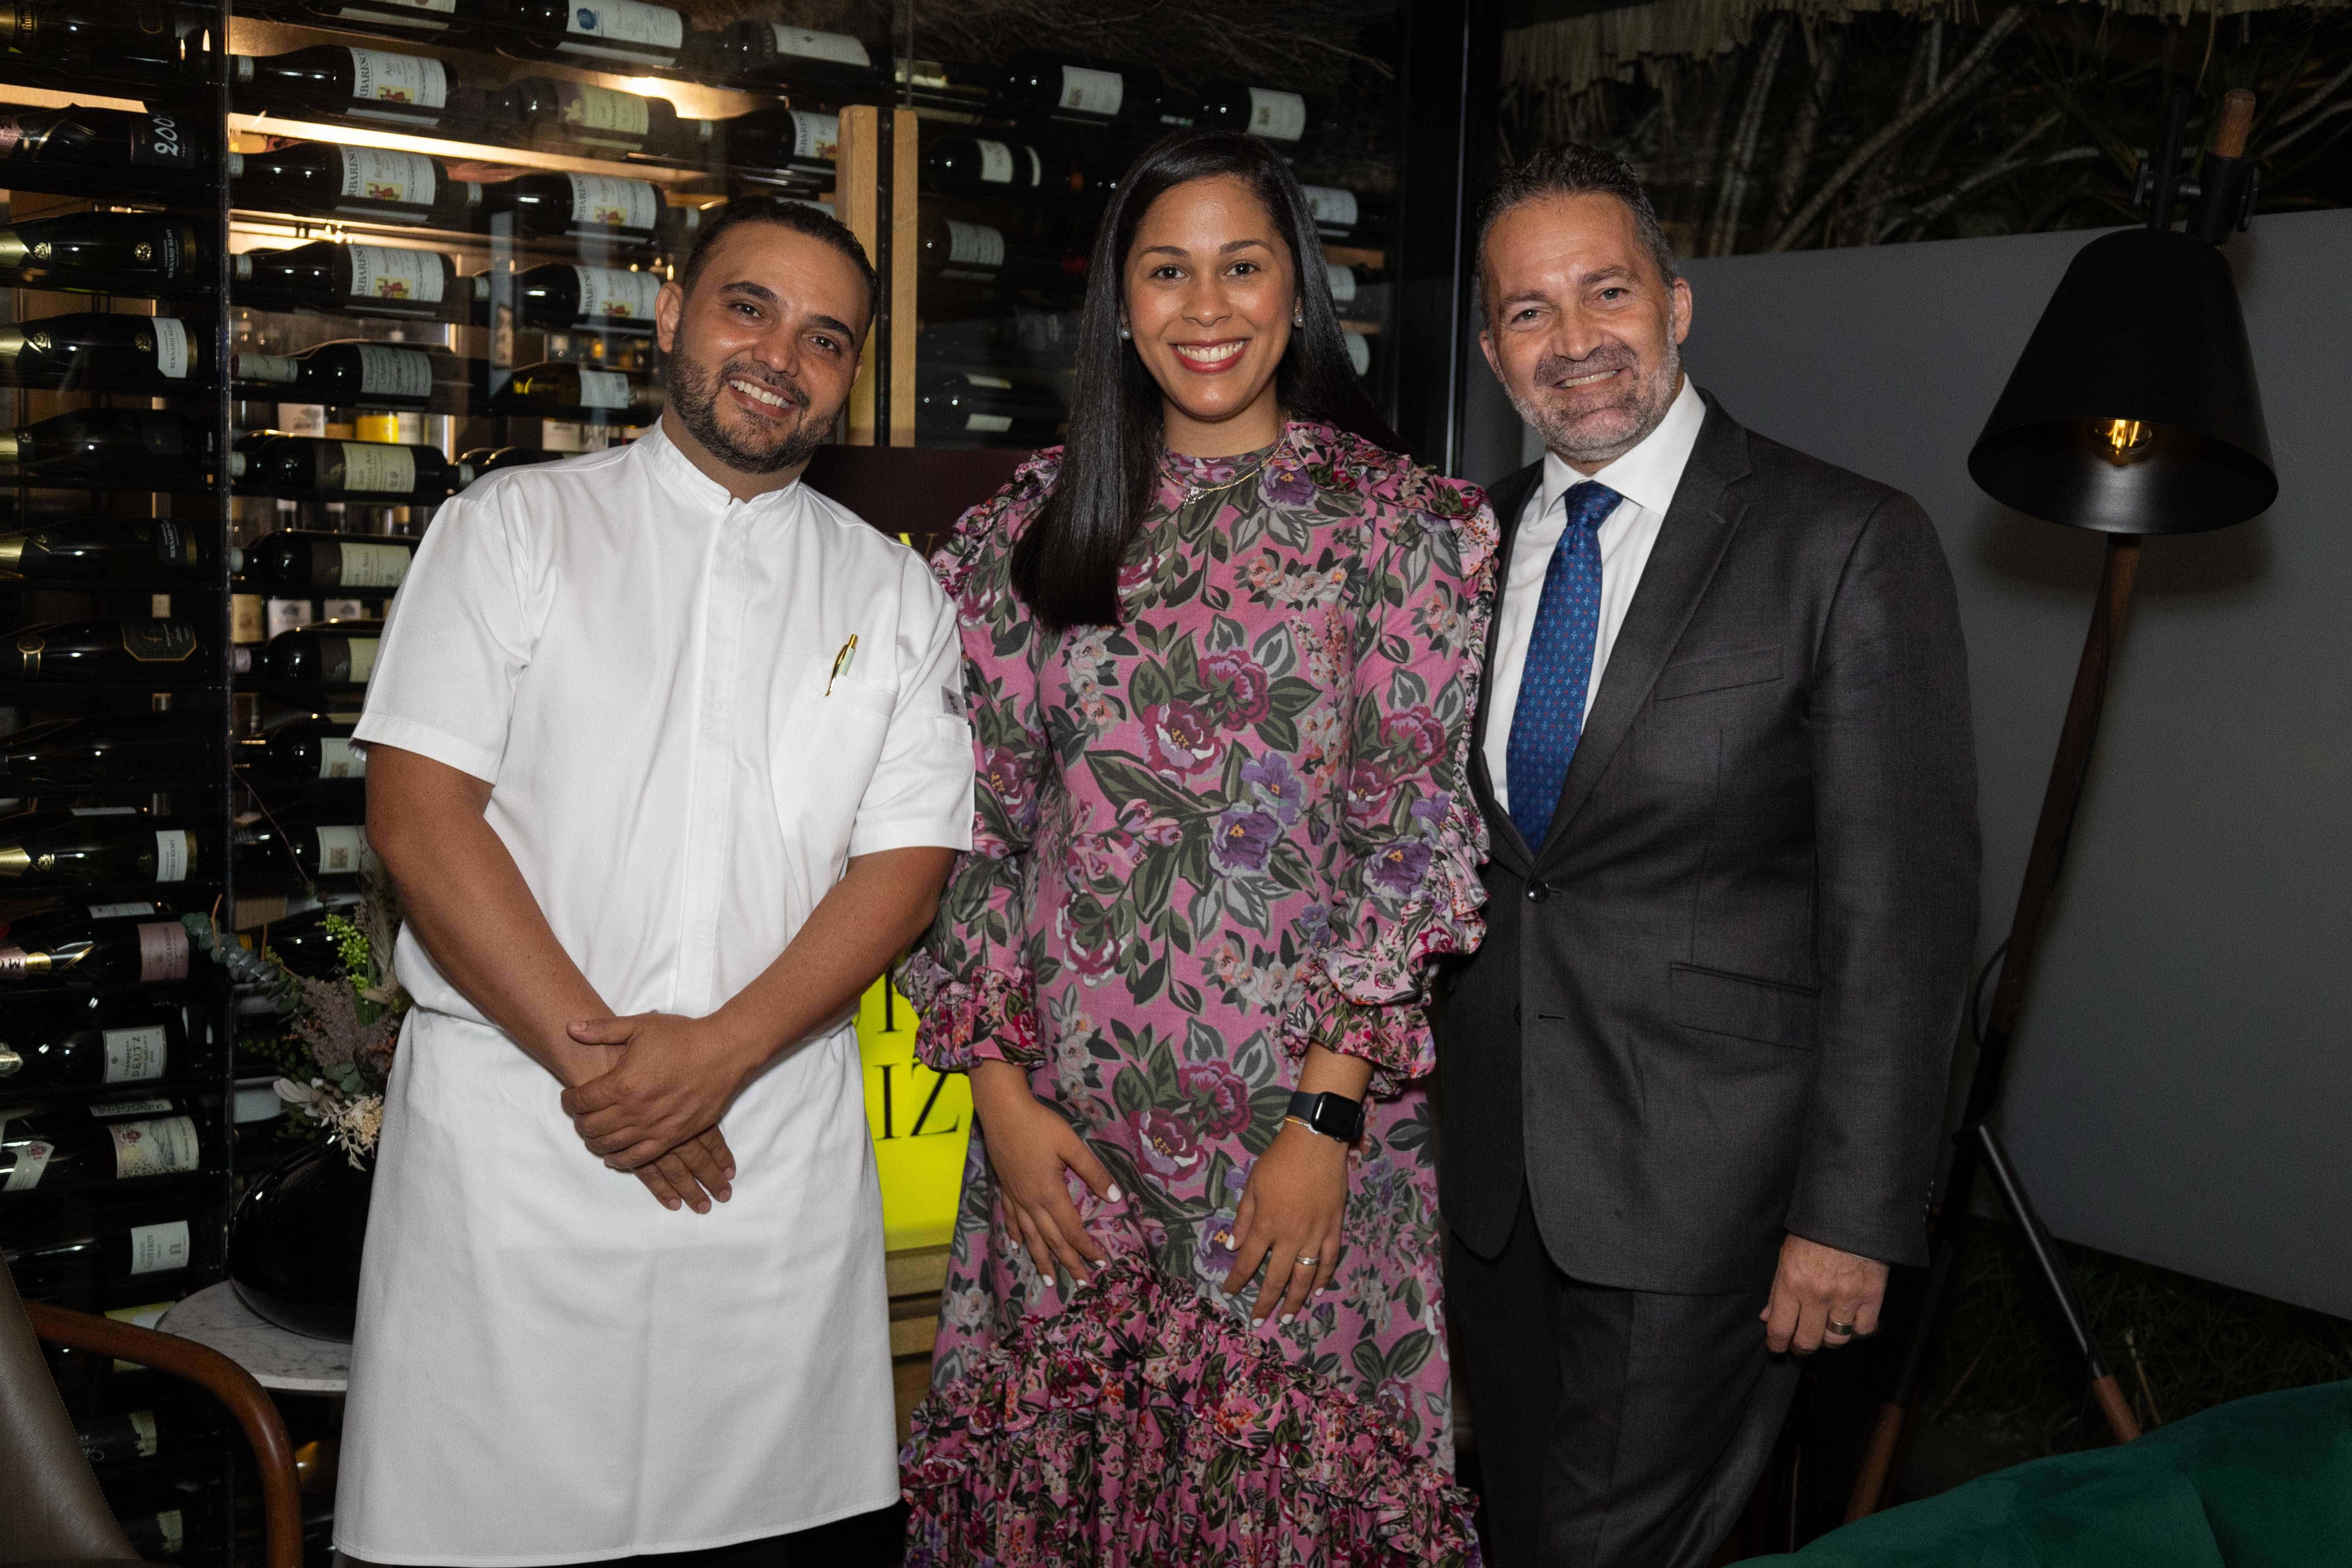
(1692, 1082)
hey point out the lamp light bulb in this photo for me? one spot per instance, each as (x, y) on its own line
(2126, 440)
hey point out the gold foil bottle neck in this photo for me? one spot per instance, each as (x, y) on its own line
(12, 248)
(11, 1063)
(12, 344)
(14, 862)
(12, 554)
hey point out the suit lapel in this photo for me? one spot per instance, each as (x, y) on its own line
(1509, 500)
(1690, 545)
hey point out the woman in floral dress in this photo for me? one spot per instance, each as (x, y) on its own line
(1221, 655)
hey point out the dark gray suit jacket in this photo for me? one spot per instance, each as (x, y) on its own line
(1720, 1000)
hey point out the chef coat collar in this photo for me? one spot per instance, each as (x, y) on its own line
(680, 478)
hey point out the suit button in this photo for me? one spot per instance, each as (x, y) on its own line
(1538, 891)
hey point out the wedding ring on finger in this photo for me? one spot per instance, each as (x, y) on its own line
(1307, 1262)
(1837, 1327)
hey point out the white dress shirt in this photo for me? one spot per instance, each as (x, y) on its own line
(1646, 477)
(652, 676)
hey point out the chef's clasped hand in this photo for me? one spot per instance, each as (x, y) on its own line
(672, 1080)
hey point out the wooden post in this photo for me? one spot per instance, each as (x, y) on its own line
(857, 202)
(905, 184)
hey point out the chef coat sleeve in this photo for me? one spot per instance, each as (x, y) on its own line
(457, 639)
(920, 793)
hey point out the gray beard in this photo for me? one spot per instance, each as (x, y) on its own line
(693, 395)
(1649, 400)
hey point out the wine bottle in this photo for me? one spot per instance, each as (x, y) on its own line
(800, 144)
(102, 749)
(100, 549)
(777, 52)
(320, 179)
(48, 1149)
(562, 389)
(491, 460)
(123, 1436)
(1360, 351)
(561, 297)
(1265, 112)
(73, 943)
(137, 448)
(118, 37)
(159, 650)
(1344, 282)
(304, 945)
(309, 748)
(1078, 88)
(90, 351)
(95, 846)
(578, 207)
(302, 558)
(352, 280)
(345, 374)
(264, 848)
(332, 653)
(107, 253)
(86, 1041)
(363, 84)
(980, 253)
(963, 404)
(92, 1252)
(966, 165)
(629, 31)
(1343, 215)
(155, 1532)
(73, 148)
(604, 119)
(449, 21)
(307, 467)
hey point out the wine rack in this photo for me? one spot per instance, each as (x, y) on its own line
(282, 276)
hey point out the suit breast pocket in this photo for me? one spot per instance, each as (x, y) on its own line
(1769, 1011)
(1716, 672)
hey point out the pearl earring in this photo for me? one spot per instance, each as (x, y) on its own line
(1123, 332)
(1298, 316)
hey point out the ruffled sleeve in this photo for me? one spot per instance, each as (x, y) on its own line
(1404, 885)
(971, 978)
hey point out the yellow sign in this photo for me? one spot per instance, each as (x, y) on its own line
(920, 1120)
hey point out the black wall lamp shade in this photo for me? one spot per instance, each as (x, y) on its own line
(2134, 408)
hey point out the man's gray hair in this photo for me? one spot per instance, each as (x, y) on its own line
(1577, 170)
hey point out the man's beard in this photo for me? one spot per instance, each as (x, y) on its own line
(693, 393)
(1604, 433)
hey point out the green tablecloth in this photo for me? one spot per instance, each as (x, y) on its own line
(2265, 1482)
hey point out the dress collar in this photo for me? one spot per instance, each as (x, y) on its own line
(1301, 443)
(1649, 473)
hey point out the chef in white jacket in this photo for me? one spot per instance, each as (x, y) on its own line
(667, 755)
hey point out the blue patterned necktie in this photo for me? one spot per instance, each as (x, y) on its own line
(1558, 669)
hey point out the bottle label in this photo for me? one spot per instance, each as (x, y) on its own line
(609, 201)
(172, 1531)
(288, 614)
(32, 1159)
(245, 620)
(104, 810)
(171, 856)
(373, 565)
(379, 76)
(404, 13)
(387, 372)
(160, 1249)
(975, 245)
(278, 369)
(162, 952)
(15, 962)
(379, 468)
(623, 22)
(159, 140)
(158, 642)
(998, 381)
(609, 294)
(1331, 205)
(131, 1108)
(340, 849)
(603, 389)
(135, 1056)
(386, 272)
(1092, 91)
(1343, 282)
(993, 424)
(1359, 353)
(589, 109)
(170, 348)
(816, 138)
(116, 912)
(805, 43)
(372, 176)
(343, 610)
(163, 1148)
(359, 660)
(995, 163)
(1279, 115)
(339, 759)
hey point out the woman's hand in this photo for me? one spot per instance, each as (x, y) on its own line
(1029, 1146)
(1289, 1219)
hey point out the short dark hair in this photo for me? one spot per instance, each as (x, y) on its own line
(801, 217)
(1576, 169)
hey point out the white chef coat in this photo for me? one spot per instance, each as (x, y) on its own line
(1646, 476)
(550, 1367)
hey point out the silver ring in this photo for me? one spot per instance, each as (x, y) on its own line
(1837, 1327)
(1307, 1262)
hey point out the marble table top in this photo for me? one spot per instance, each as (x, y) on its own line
(278, 1358)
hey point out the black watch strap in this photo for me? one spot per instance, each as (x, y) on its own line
(1332, 1115)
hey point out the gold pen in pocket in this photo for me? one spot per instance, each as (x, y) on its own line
(841, 662)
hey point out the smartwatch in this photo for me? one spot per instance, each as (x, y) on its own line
(1332, 1115)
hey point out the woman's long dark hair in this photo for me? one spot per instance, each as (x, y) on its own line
(1065, 567)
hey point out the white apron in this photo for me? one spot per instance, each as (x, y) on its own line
(550, 1367)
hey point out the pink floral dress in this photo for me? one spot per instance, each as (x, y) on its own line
(1234, 825)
